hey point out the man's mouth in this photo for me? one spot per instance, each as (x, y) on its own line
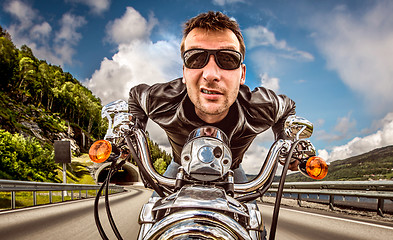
(209, 92)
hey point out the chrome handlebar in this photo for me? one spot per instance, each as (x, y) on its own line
(267, 168)
(144, 155)
(239, 188)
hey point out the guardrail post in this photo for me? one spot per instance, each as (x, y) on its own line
(13, 200)
(50, 197)
(299, 199)
(72, 194)
(381, 204)
(80, 194)
(34, 198)
(331, 202)
(87, 194)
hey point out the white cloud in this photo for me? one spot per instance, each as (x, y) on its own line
(41, 31)
(135, 63)
(261, 36)
(256, 154)
(319, 122)
(328, 136)
(68, 37)
(30, 29)
(258, 36)
(271, 83)
(265, 61)
(96, 6)
(25, 17)
(323, 153)
(345, 124)
(130, 27)
(358, 145)
(225, 2)
(69, 24)
(23, 12)
(359, 47)
(159, 136)
(137, 60)
(343, 128)
(269, 54)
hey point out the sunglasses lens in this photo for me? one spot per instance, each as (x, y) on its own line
(225, 59)
(228, 59)
(195, 59)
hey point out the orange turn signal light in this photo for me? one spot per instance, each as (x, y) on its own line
(100, 151)
(316, 167)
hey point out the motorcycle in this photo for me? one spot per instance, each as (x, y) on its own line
(203, 201)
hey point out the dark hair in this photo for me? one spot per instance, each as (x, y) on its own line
(213, 21)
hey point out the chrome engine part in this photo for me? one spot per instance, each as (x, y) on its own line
(199, 211)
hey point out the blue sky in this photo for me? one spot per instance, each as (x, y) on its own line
(334, 58)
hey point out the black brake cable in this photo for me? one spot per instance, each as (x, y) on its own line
(113, 170)
(277, 203)
(96, 215)
(259, 192)
(105, 184)
(142, 169)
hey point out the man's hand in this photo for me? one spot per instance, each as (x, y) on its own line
(293, 165)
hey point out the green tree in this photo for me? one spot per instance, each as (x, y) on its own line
(160, 165)
(8, 63)
(33, 90)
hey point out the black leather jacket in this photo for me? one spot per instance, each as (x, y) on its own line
(253, 112)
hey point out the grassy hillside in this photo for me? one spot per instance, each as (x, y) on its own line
(374, 165)
(40, 103)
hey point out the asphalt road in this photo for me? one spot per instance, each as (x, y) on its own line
(302, 224)
(76, 221)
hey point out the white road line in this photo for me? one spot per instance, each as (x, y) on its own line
(336, 218)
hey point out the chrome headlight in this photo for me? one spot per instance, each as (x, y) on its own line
(206, 155)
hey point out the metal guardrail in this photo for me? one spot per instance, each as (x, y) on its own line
(380, 190)
(27, 186)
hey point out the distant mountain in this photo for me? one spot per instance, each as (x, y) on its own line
(374, 165)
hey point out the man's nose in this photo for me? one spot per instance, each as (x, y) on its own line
(211, 72)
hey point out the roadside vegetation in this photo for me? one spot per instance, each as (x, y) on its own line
(40, 103)
(76, 173)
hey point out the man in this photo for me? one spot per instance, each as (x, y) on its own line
(211, 92)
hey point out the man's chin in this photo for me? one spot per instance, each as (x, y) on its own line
(214, 112)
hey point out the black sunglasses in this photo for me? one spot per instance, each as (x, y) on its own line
(227, 59)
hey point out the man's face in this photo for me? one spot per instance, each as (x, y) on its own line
(211, 89)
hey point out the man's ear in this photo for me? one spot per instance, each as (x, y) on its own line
(184, 79)
(243, 77)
